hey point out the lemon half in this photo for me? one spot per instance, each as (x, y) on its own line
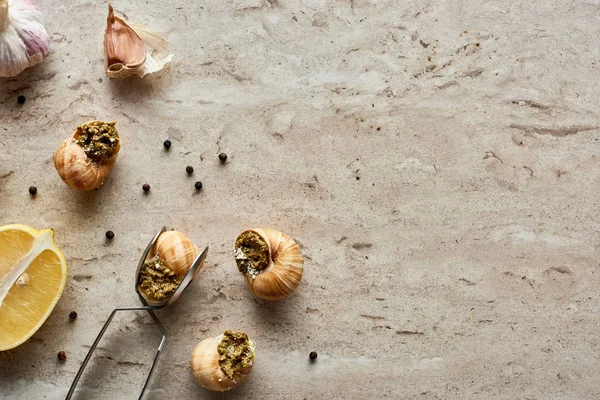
(33, 273)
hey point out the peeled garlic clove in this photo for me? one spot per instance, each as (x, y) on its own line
(124, 50)
(132, 49)
(24, 41)
(177, 252)
(271, 262)
(223, 362)
(85, 159)
(168, 262)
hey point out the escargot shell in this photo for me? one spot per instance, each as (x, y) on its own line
(177, 251)
(74, 165)
(206, 366)
(284, 266)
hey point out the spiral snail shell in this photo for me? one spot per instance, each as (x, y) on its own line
(177, 251)
(223, 362)
(270, 261)
(168, 262)
(85, 159)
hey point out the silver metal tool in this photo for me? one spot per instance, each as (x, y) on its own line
(147, 306)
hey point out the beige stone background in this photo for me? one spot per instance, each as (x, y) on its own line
(437, 160)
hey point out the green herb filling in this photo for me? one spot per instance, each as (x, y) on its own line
(157, 281)
(98, 139)
(251, 253)
(236, 352)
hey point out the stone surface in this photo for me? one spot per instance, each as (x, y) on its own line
(437, 160)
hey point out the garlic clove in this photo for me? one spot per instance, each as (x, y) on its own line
(270, 261)
(24, 41)
(223, 362)
(124, 50)
(133, 49)
(177, 252)
(84, 163)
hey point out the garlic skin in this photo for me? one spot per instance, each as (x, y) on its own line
(74, 165)
(132, 49)
(207, 370)
(24, 41)
(177, 252)
(283, 267)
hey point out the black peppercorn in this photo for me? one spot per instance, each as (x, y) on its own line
(167, 143)
(189, 169)
(313, 355)
(198, 185)
(32, 190)
(223, 157)
(109, 235)
(21, 99)
(146, 187)
(73, 314)
(62, 356)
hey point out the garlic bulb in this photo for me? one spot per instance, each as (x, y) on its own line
(223, 362)
(24, 41)
(85, 159)
(168, 262)
(131, 49)
(270, 261)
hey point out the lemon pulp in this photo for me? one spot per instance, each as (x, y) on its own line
(33, 274)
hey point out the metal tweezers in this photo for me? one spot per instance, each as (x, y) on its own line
(147, 306)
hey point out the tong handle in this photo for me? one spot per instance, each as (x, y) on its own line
(99, 337)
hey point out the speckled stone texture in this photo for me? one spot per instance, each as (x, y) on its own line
(438, 162)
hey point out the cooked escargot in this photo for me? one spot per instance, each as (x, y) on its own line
(223, 362)
(270, 261)
(166, 265)
(85, 159)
